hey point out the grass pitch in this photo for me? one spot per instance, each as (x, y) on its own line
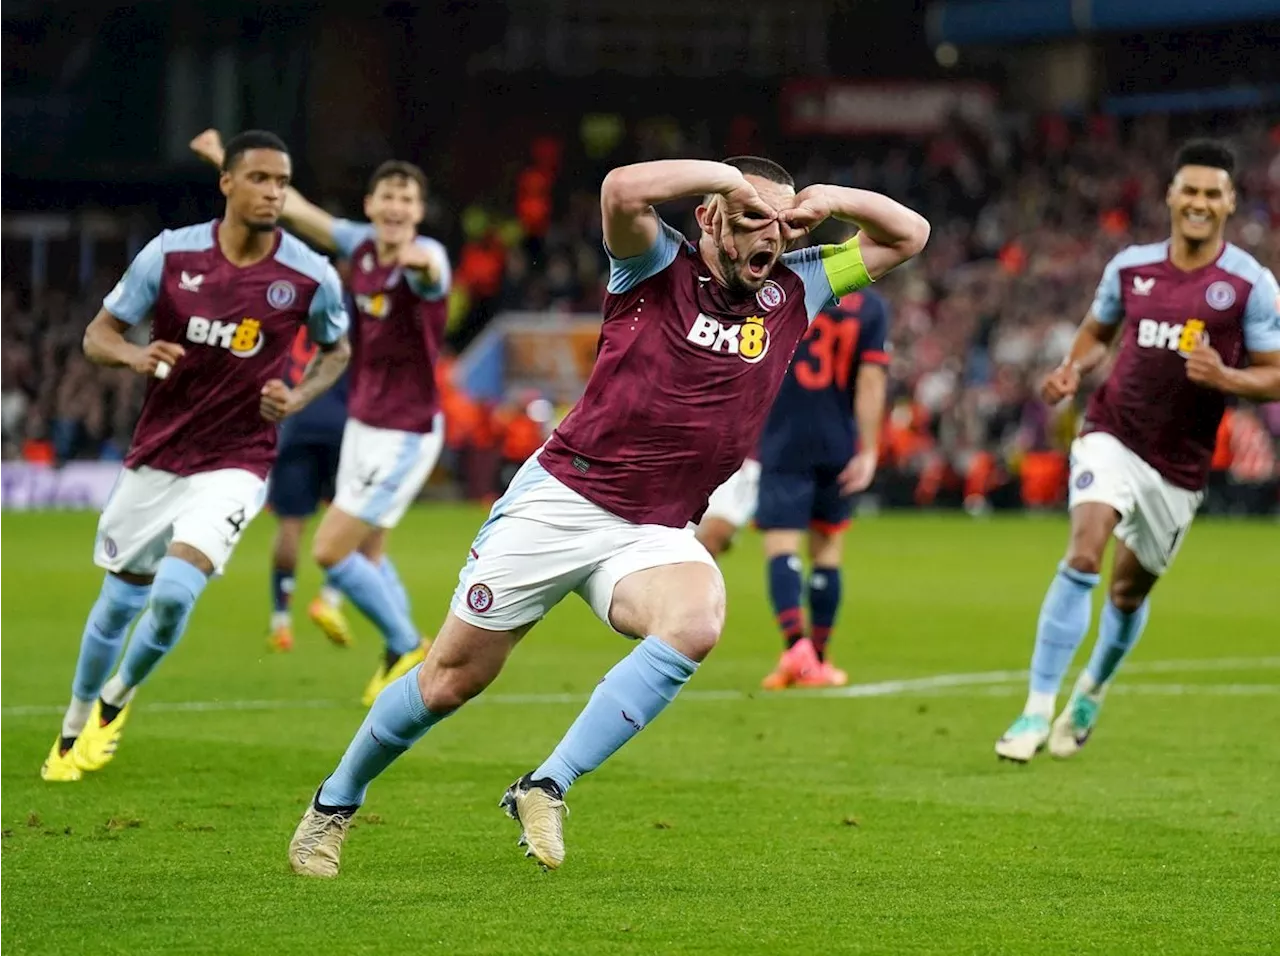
(740, 822)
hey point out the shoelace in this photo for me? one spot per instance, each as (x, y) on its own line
(320, 826)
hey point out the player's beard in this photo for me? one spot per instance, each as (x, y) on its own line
(261, 225)
(733, 280)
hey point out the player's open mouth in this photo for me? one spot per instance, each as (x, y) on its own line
(758, 263)
(1198, 218)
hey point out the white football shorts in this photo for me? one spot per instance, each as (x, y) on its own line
(150, 509)
(735, 500)
(1154, 514)
(543, 540)
(381, 470)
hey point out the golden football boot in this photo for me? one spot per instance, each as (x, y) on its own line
(316, 847)
(538, 806)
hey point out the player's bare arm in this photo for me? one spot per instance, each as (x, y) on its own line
(890, 233)
(1088, 350)
(1260, 382)
(301, 216)
(868, 407)
(279, 401)
(629, 193)
(104, 344)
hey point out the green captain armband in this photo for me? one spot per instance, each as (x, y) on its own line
(844, 267)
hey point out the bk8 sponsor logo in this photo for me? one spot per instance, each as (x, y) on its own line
(242, 339)
(748, 340)
(1180, 337)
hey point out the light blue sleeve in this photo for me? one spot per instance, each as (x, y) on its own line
(347, 235)
(1108, 305)
(626, 274)
(425, 290)
(1262, 315)
(327, 318)
(807, 264)
(136, 292)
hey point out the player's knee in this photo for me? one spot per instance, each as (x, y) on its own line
(116, 614)
(715, 541)
(1126, 596)
(177, 585)
(445, 688)
(327, 553)
(695, 631)
(1084, 562)
(171, 602)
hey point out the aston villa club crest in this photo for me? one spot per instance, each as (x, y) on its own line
(479, 598)
(770, 295)
(281, 294)
(1220, 295)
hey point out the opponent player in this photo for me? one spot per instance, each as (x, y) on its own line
(226, 299)
(819, 449)
(394, 432)
(1190, 310)
(305, 474)
(693, 348)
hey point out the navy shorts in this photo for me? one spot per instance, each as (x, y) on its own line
(795, 500)
(303, 476)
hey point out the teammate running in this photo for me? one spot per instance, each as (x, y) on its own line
(1190, 312)
(394, 431)
(226, 299)
(694, 347)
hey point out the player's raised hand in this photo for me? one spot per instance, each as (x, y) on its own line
(278, 401)
(809, 210)
(413, 256)
(1062, 382)
(739, 209)
(1204, 365)
(157, 359)
(857, 475)
(208, 146)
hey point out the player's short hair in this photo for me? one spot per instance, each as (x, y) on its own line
(399, 169)
(1206, 152)
(241, 143)
(764, 168)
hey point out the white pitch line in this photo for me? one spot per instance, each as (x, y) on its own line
(984, 682)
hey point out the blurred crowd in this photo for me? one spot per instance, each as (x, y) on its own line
(1025, 214)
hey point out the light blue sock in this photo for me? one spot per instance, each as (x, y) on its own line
(367, 588)
(630, 696)
(395, 722)
(174, 591)
(1118, 634)
(119, 602)
(397, 587)
(1064, 621)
